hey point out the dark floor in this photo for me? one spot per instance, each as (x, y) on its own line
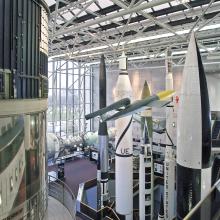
(77, 171)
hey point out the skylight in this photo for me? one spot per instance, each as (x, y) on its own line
(93, 7)
(68, 16)
(50, 2)
(160, 7)
(105, 3)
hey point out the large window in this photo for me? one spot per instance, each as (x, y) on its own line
(69, 98)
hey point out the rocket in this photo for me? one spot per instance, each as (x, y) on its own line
(99, 203)
(124, 143)
(124, 149)
(121, 104)
(123, 108)
(158, 100)
(145, 93)
(103, 138)
(146, 174)
(161, 211)
(193, 137)
(170, 152)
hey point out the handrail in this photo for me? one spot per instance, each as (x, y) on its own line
(68, 200)
(21, 206)
(112, 210)
(197, 206)
(102, 209)
(60, 181)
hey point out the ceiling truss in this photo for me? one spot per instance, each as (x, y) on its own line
(84, 29)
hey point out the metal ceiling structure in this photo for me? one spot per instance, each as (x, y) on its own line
(81, 30)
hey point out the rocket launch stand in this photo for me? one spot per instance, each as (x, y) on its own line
(146, 192)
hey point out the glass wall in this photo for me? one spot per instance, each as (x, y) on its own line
(69, 98)
(23, 193)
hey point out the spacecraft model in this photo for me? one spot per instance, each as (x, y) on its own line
(158, 101)
(122, 108)
(193, 143)
(121, 104)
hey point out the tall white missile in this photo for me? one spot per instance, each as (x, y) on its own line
(124, 149)
(170, 153)
(193, 137)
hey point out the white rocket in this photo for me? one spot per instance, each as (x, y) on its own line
(193, 137)
(170, 153)
(124, 150)
(146, 170)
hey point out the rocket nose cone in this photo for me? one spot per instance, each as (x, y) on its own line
(192, 49)
(102, 66)
(145, 91)
(102, 58)
(145, 84)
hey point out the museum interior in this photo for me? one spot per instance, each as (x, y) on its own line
(109, 109)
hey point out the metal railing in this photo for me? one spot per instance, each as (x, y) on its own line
(61, 191)
(90, 212)
(209, 205)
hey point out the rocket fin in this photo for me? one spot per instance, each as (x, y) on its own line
(159, 103)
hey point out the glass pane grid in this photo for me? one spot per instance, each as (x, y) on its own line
(69, 98)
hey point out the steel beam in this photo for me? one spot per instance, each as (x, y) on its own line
(112, 16)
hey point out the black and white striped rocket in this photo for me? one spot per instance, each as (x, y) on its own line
(193, 136)
(124, 149)
(103, 139)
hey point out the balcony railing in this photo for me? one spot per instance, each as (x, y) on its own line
(60, 191)
(34, 208)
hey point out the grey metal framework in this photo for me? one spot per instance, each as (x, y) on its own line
(69, 97)
(83, 29)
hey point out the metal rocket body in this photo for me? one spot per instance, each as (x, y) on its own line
(103, 137)
(193, 135)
